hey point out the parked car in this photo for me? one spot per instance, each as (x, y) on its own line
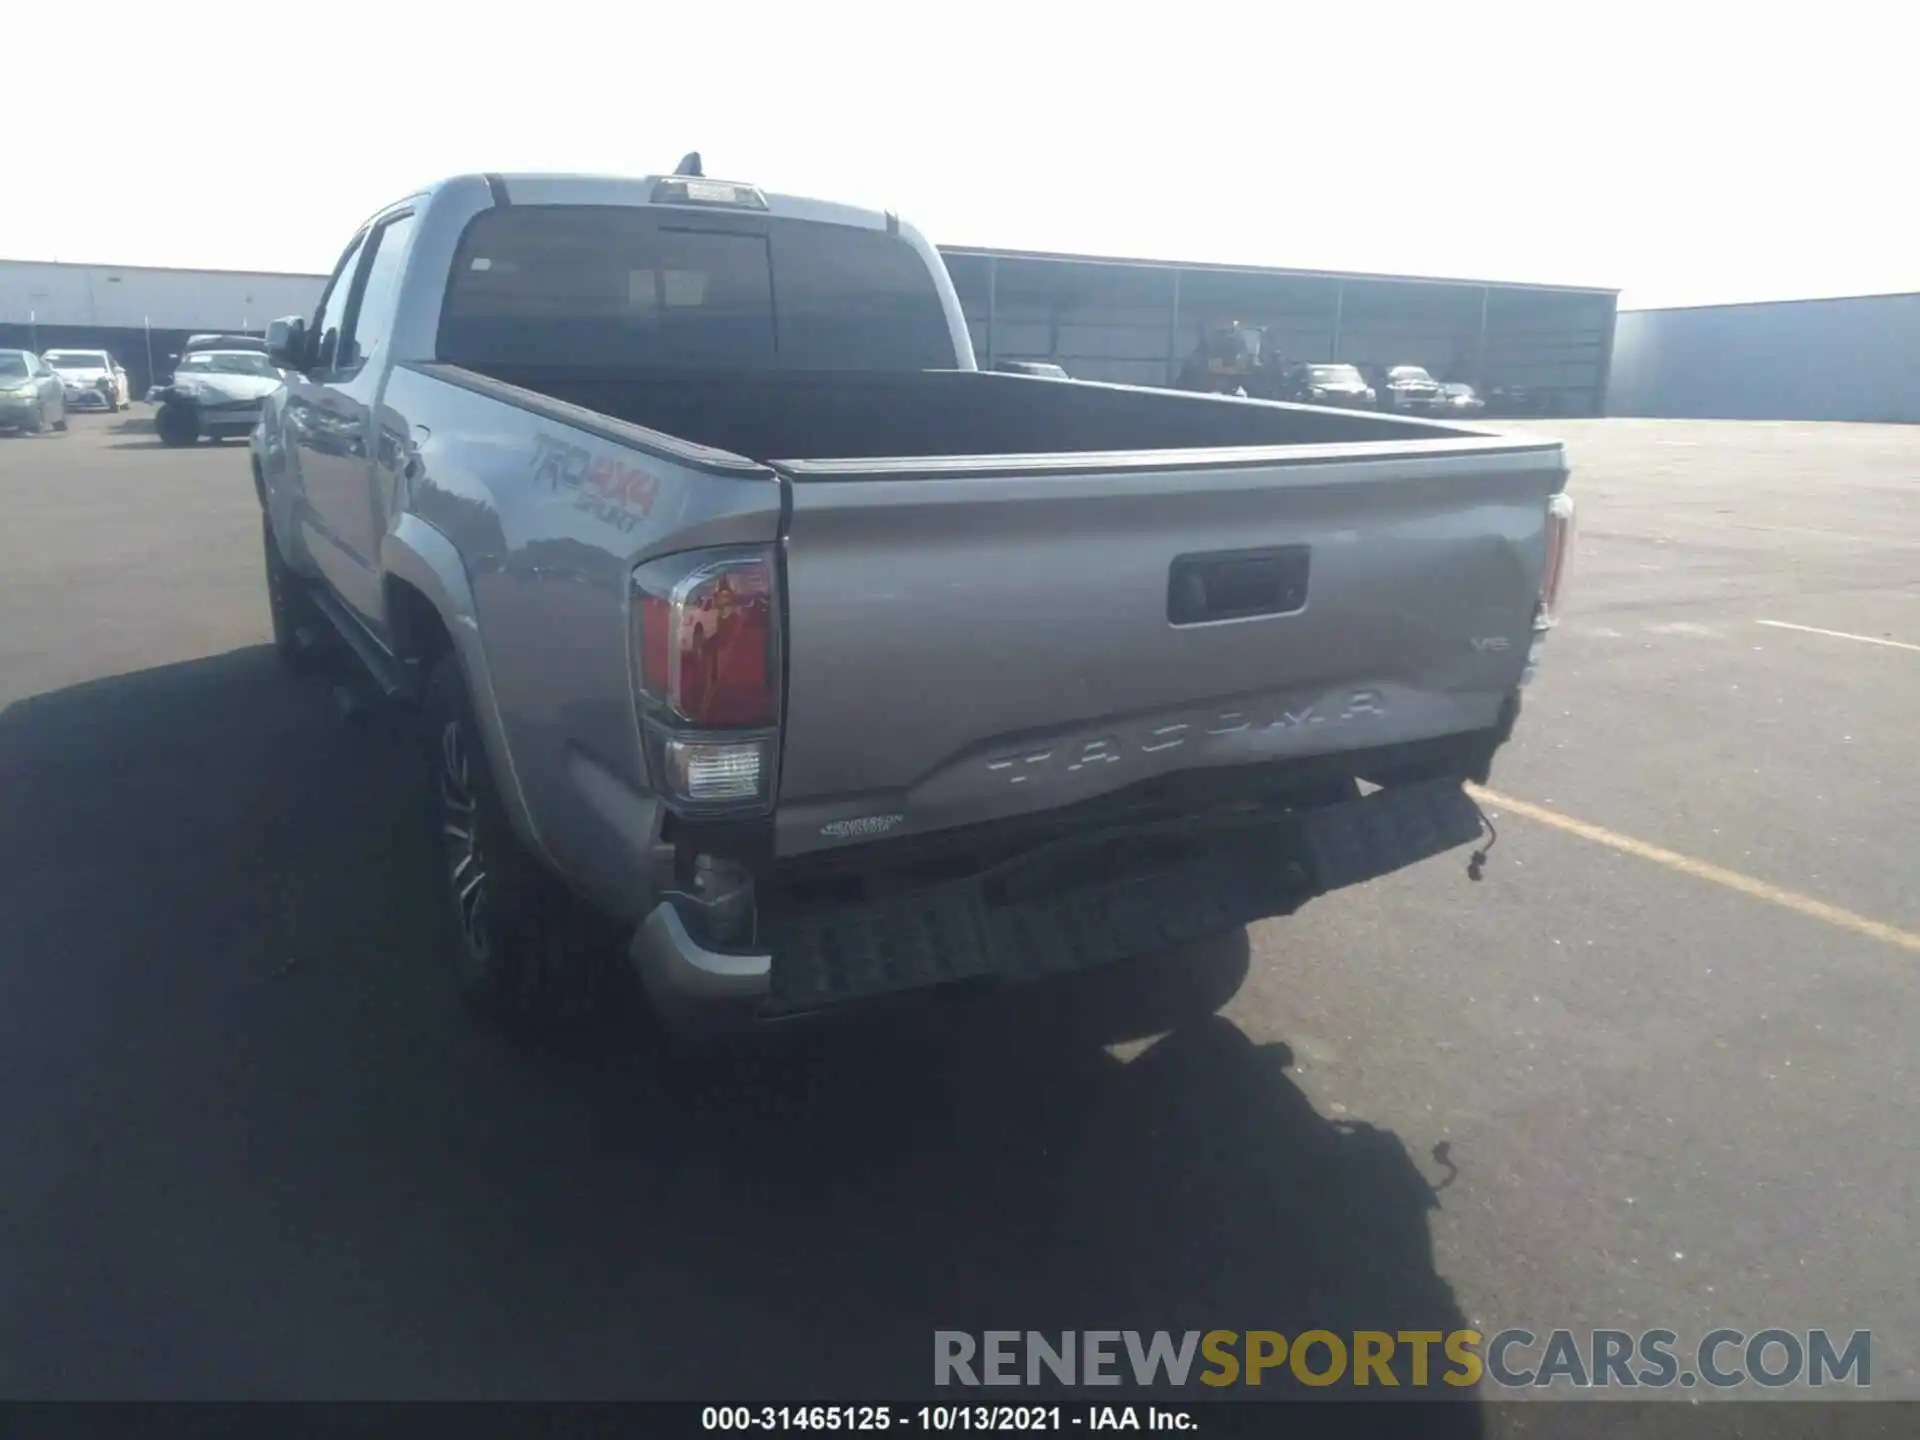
(1044, 369)
(1461, 398)
(803, 684)
(1313, 384)
(216, 393)
(1405, 387)
(32, 397)
(93, 379)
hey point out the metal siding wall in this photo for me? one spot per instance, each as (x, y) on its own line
(111, 297)
(1854, 359)
(1554, 344)
(1111, 321)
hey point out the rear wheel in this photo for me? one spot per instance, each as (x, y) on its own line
(527, 954)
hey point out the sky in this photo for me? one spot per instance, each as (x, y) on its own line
(1681, 153)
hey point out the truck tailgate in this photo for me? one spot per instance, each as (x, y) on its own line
(976, 639)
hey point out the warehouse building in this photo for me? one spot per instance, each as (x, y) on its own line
(1856, 358)
(141, 315)
(1128, 321)
(1137, 321)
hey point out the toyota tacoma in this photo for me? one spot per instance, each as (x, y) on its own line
(750, 622)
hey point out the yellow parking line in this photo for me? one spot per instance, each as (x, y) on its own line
(1701, 870)
(1838, 634)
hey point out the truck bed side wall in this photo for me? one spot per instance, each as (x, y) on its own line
(797, 415)
(550, 519)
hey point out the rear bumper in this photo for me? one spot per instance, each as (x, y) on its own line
(1233, 870)
(681, 976)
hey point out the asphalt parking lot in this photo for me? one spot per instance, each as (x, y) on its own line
(1656, 1070)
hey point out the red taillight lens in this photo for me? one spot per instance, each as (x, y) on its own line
(725, 643)
(709, 637)
(1553, 575)
(656, 617)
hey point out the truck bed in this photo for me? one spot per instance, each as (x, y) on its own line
(773, 415)
(1006, 596)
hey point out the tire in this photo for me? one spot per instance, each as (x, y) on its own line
(39, 421)
(296, 628)
(175, 426)
(527, 955)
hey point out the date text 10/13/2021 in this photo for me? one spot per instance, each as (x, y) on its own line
(943, 1419)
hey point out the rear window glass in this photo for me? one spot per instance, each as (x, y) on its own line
(622, 285)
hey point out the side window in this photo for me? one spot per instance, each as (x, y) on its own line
(372, 318)
(332, 315)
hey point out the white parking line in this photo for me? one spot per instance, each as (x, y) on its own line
(1839, 634)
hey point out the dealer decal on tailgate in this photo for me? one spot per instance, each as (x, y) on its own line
(604, 486)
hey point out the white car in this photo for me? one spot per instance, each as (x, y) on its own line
(216, 393)
(93, 379)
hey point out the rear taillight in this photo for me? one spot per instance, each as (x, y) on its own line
(707, 656)
(1553, 575)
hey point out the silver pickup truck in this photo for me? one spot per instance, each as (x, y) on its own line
(757, 629)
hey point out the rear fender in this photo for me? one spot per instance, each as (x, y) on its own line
(416, 554)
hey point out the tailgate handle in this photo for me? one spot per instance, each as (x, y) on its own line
(1237, 585)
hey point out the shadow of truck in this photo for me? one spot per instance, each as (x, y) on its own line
(252, 1148)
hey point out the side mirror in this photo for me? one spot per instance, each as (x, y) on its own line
(287, 343)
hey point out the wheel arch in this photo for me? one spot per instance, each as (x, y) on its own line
(431, 613)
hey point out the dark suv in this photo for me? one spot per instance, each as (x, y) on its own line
(1340, 385)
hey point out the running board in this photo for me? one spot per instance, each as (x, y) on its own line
(395, 680)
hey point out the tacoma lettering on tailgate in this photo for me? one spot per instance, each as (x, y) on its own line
(1038, 761)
